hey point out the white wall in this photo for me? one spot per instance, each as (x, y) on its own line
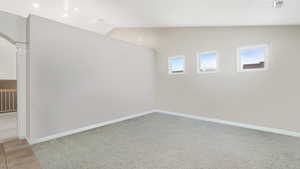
(79, 78)
(12, 30)
(13, 27)
(7, 60)
(269, 98)
(136, 36)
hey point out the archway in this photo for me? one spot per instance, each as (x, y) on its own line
(21, 49)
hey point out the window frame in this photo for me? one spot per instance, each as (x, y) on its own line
(170, 72)
(266, 59)
(199, 61)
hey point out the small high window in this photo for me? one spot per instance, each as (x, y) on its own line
(177, 65)
(207, 62)
(252, 58)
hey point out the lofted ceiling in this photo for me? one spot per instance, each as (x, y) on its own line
(101, 16)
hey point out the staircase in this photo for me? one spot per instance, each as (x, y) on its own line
(17, 154)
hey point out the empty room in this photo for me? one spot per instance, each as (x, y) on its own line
(149, 84)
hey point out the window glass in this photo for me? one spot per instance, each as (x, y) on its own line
(176, 65)
(207, 62)
(252, 58)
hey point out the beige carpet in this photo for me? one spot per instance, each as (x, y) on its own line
(158, 141)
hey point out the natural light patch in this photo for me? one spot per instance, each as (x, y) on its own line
(207, 62)
(252, 58)
(176, 65)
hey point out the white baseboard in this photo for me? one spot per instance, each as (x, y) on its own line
(248, 126)
(79, 130)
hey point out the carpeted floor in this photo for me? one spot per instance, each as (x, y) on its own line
(159, 141)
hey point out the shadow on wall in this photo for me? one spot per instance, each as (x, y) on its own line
(13, 27)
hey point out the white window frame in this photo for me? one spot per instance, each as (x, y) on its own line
(169, 65)
(267, 55)
(199, 61)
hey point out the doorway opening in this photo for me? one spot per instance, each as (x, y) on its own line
(8, 91)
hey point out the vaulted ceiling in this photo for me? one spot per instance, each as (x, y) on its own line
(103, 15)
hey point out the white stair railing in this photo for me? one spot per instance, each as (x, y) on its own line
(8, 100)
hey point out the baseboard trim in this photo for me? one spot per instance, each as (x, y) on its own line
(79, 130)
(236, 124)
